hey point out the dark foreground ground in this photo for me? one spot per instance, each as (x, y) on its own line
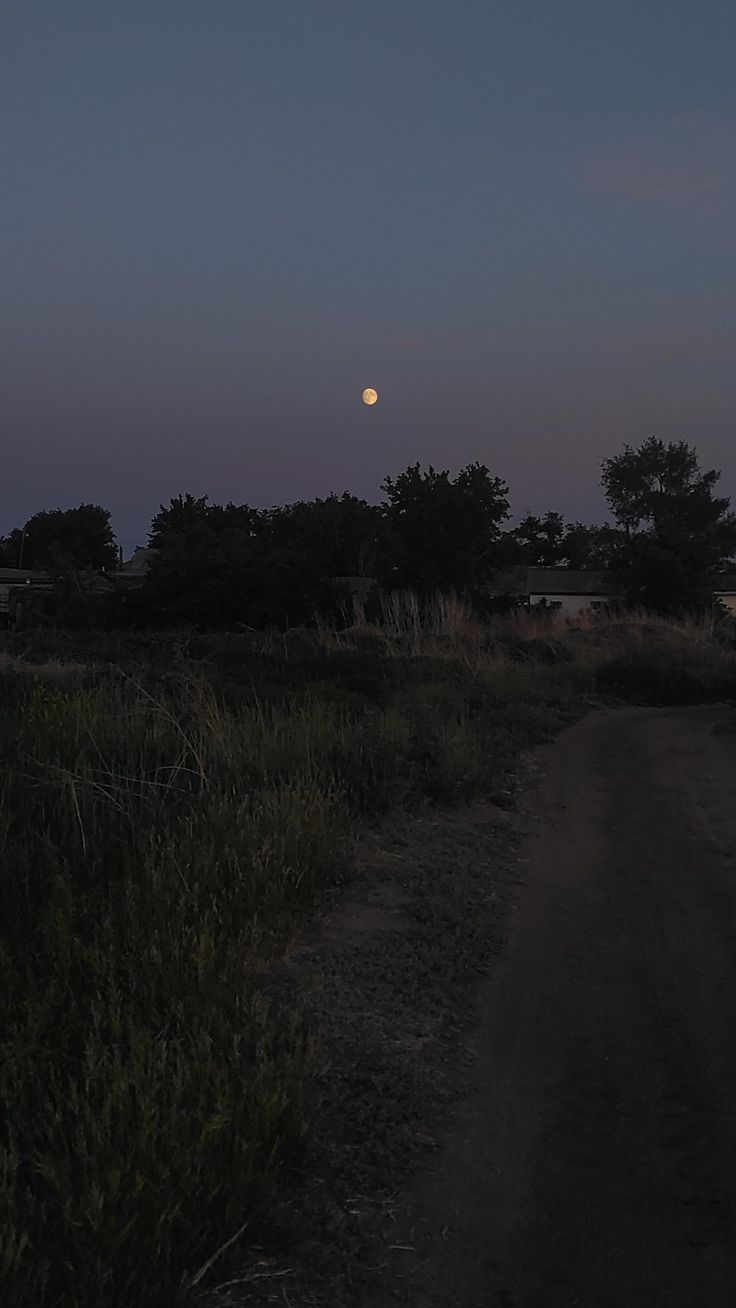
(594, 1161)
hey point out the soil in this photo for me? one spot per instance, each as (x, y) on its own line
(594, 1162)
(569, 1122)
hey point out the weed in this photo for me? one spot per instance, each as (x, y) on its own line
(167, 810)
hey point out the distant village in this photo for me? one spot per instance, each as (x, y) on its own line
(32, 597)
(670, 548)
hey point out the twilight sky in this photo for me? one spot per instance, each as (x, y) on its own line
(223, 218)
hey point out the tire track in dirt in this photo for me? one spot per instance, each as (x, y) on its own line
(594, 1162)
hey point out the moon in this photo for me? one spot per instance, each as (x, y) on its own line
(369, 396)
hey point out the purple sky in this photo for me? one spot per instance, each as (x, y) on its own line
(223, 218)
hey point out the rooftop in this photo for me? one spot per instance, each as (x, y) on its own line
(140, 562)
(552, 581)
(17, 576)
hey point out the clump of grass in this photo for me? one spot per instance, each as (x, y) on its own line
(155, 844)
(444, 625)
(148, 1096)
(158, 837)
(633, 656)
(668, 674)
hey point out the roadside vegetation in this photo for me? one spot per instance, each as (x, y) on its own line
(170, 807)
(232, 567)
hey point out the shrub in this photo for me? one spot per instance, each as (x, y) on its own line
(668, 675)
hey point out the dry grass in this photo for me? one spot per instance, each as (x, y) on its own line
(156, 842)
(52, 670)
(158, 834)
(148, 1095)
(546, 656)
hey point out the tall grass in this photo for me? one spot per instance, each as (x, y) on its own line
(155, 842)
(444, 616)
(147, 1093)
(157, 838)
(529, 656)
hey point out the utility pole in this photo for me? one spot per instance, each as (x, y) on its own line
(22, 544)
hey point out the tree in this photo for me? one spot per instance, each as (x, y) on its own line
(549, 542)
(185, 512)
(538, 541)
(228, 566)
(343, 535)
(591, 547)
(63, 540)
(230, 578)
(676, 530)
(444, 533)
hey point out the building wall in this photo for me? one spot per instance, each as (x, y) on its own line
(729, 599)
(570, 604)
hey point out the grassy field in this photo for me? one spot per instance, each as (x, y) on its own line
(169, 809)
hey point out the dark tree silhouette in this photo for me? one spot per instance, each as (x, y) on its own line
(185, 512)
(596, 548)
(62, 540)
(538, 541)
(229, 566)
(444, 533)
(676, 529)
(343, 535)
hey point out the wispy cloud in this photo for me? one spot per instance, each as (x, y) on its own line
(686, 163)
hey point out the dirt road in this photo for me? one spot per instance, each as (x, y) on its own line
(594, 1163)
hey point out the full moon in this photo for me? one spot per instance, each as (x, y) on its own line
(369, 395)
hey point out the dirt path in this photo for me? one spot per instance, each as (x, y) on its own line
(595, 1162)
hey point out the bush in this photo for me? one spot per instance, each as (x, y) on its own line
(668, 676)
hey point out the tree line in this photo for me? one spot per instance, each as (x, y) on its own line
(232, 565)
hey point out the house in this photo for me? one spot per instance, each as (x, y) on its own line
(135, 570)
(571, 590)
(724, 589)
(561, 590)
(17, 587)
(30, 597)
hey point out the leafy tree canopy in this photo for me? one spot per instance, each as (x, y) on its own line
(59, 540)
(228, 578)
(187, 512)
(676, 529)
(591, 547)
(660, 488)
(343, 535)
(443, 531)
(538, 541)
(549, 542)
